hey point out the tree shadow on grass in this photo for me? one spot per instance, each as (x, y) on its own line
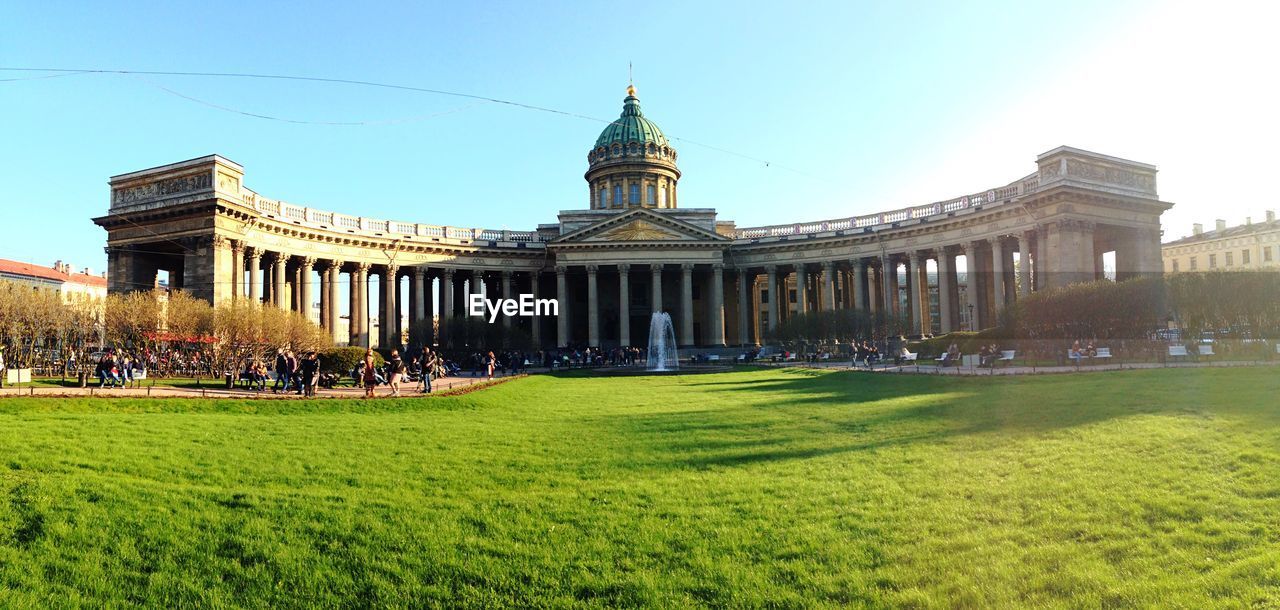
(815, 414)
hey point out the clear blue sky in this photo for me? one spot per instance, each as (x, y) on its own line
(860, 107)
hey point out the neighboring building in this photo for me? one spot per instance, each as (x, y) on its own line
(1247, 246)
(74, 286)
(630, 250)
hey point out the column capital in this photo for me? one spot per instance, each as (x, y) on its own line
(419, 272)
(363, 267)
(447, 273)
(719, 267)
(307, 261)
(592, 269)
(624, 268)
(506, 274)
(392, 269)
(253, 252)
(771, 269)
(237, 246)
(686, 267)
(333, 265)
(826, 266)
(561, 269)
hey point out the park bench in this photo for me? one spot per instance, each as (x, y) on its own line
(1177, 351)
(910, 357)
(1205, 350)
(713, 358)
(1104, 353)
(1006, 356)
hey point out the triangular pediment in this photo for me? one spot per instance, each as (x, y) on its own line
(639, 225)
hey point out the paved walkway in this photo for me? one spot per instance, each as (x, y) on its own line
(144, 389)
(932, 369)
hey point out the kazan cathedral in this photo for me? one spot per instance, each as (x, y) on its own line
(633, 250)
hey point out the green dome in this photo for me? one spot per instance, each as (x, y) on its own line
(631, 127)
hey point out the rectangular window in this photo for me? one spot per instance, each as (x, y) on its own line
(1175, 266)
(792, 296)
(603, 201)
(1244, 257)
(1213, 261)
(1266, 254)
(764, 297)
(634, 194)
(1193, 263)
(653, 195)
(617, 195)
(1230, 259)
(663, 195)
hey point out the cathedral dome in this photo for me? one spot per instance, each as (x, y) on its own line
(632, 126)
(632, 164)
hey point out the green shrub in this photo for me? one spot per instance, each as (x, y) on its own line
(341, 360)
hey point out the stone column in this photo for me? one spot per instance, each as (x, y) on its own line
(562, 322)
(362, 301)
(801, 294)
(255, 283)
(419, 294)
(1039, 280)
(997, 274)
(913, 292)
(237, 270)
(828, 287)
(970, 251)
(716, 337)
(390, 317)
(859, 284)
(921, 292)
(335, 275)
(1024, 264)
(277, 289)
(744, 308)
(771, 284)
(656, 284)
(506, 294)
(946, 279)
(305, 267)
(446, 306)
(889, 281)
(535, 323)
(624, 305)
(353, 308)
(325, 303)
(593, 308)
(686, 305)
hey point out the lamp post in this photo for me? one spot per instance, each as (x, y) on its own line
(970, 317)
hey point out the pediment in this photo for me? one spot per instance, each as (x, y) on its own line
(639, 225)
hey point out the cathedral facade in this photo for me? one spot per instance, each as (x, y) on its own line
(633, 250)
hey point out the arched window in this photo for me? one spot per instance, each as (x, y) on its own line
(653, 195)
(617, 195)
(634, 194)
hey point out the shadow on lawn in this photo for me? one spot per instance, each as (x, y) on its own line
(807, 414)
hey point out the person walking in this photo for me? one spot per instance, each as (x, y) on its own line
(310, 373)
(428, 369)
(395, 370)
(282, 373)
(369, 375)
(489, 363)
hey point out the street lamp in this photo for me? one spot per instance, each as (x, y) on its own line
(970, 316)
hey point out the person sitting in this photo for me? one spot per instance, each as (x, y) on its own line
(952, 356)
(984, 356)
(1075, 353)
(902, 355)
(1090, 350)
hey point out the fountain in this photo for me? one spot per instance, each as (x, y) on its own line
(662, 343)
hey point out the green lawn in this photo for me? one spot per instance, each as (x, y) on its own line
(755, 488)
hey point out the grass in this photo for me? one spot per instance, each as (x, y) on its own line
(785, 488)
